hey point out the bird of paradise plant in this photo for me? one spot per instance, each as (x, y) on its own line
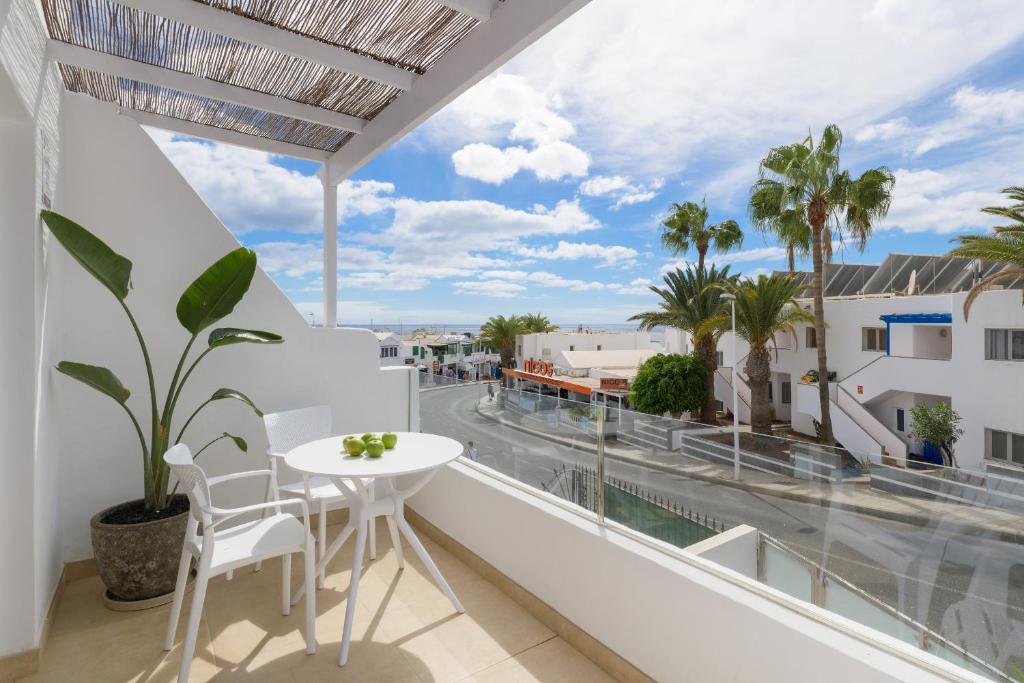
(211, 297)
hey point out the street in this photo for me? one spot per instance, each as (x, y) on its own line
(970, 589)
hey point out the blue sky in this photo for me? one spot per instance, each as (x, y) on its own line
(543, 187)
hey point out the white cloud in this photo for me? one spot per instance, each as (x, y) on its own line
(499, 289)
(601, 185)
(638, 287)
(652, 92)
(621, 187)
(610, 255)
(248, 192)
(546, 279)
(744, 256)
(550, 161)
(945, 201)
(887, 130)
(972, 112)
(508, 108)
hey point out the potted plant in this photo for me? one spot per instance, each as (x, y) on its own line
(137, 544)
(938, 427)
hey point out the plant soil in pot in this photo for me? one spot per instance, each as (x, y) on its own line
(137, 551)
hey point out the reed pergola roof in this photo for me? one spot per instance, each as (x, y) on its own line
(309, 73)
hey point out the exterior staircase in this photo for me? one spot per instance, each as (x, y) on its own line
(853, 425)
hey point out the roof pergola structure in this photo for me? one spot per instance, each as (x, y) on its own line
(331, 81)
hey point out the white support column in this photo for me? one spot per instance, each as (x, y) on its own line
(330, 251)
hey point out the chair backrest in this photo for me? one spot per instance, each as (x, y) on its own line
(292, 428)
(192, 478)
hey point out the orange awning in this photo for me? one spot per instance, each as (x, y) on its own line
(550, 381)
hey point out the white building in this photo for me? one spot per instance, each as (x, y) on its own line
(393, 350)
(547, 345)
(892, 350)
(452, 354)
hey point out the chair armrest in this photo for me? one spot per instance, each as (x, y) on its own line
(225, 514)
(211, 481)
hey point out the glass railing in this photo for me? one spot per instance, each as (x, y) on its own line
(933, 556)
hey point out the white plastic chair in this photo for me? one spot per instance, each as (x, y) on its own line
(219, 551)
(292, 428)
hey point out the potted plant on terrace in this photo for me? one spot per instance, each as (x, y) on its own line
(137, 544)
(938, 428)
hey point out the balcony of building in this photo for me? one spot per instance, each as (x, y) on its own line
(576, 554)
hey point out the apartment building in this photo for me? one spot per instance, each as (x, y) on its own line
(897, 337)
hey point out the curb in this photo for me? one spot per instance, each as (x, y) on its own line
(1000, 533)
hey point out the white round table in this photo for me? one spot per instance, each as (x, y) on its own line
(415, 454)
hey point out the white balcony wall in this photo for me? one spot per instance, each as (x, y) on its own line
(675, 620)
(119, 184)
(30, 457)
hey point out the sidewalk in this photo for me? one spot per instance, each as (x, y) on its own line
(852, 497)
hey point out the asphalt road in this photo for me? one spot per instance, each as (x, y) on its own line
(970, 589)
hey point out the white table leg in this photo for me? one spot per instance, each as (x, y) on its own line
(328, 556)
(422, 552)
(353, 585)
(396, 540)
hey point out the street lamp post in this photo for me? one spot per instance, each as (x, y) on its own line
(735, 395)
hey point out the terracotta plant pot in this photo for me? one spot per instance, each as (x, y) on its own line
(138, 561)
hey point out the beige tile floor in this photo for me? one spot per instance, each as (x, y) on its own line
(405, 630)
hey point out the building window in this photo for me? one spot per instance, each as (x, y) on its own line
(389, 352)
(572, 347)
(787, 393)
(771, 393)
(598, 347)
(720, 358)
(811, 338)
(901, 420)
(1004, 446)
(1004, 344)
(873, 338)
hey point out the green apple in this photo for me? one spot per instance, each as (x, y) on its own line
(375, 448)
(353, 445)
(389, 439)
(368, 436)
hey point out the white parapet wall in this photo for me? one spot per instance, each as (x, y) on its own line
(675, 618)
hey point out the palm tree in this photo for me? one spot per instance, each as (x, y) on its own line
(535, 322)
(1005, 245)
(687, 226)
(690, 298)
(500, 333)
(795, 234)
(805, 179)
(765, 308)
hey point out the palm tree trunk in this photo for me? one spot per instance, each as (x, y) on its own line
(759, 374)
(701, 250)
(791, 255)
(816, 216)
(707, 351)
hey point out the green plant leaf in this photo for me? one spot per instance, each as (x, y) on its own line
(100, 379)
(238, 396)
(216, 292)
(239, 441)
(110, 268)
(224, 336)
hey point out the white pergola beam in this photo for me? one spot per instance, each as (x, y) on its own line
(512, 27)
(478, 9)
(241, 28)
(229, 137)
(176, 80)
